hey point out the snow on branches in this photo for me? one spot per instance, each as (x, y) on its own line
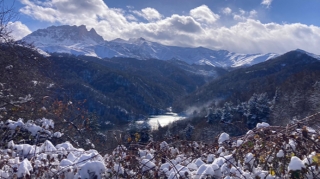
(265, 152)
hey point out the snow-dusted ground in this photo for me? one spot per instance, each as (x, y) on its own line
(255, 155)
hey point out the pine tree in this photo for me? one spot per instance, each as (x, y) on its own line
(314, 98)
(227, 111)
(258, 109)
(188, 131)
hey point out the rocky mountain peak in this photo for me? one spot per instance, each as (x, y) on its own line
(79, 41)
(66, 35)
(137, 41)
(308, 53)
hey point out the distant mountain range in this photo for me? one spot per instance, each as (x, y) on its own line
(126, 80)
(121, 81)
(79, 41)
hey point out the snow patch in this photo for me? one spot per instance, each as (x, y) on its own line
(223, 137)
(295, 164)
(263, 124)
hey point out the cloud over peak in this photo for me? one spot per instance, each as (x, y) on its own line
(18, 30)
(148, 13)
(204, 15)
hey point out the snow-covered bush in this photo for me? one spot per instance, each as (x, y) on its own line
(265, 152)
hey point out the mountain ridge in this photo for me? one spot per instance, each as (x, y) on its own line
(259, 78)
(63, 40)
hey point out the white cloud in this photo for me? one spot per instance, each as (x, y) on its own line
(18, 30)
(239, 17)
(149, 13)
(253, 13)
(242, 12)
(248, 35)
(183, 24)
(131, 17)
(266, 3)
(204, 14)
(178, 30)
(93, 13)
(130, 7)
(244, 15)
(227, 11)
(270, 37)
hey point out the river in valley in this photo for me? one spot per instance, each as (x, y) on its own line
(162, 120)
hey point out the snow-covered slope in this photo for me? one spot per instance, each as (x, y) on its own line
(79, 41)
(308, 53)
(142, 49)
(66, 39)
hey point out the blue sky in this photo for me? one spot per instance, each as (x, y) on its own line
(244, 26)
(304, 11)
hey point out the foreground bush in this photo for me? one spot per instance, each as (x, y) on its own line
(264, 152)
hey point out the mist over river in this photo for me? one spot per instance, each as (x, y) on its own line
(162, 120)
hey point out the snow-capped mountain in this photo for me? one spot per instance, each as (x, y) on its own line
(67, 39)
(79, 41)
(142, 49)
(308, 53)
(65, 35)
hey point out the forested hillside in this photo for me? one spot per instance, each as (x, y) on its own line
(278, 91)
(120, 90)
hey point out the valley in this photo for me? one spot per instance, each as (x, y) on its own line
(122, 81)
(114, 105)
